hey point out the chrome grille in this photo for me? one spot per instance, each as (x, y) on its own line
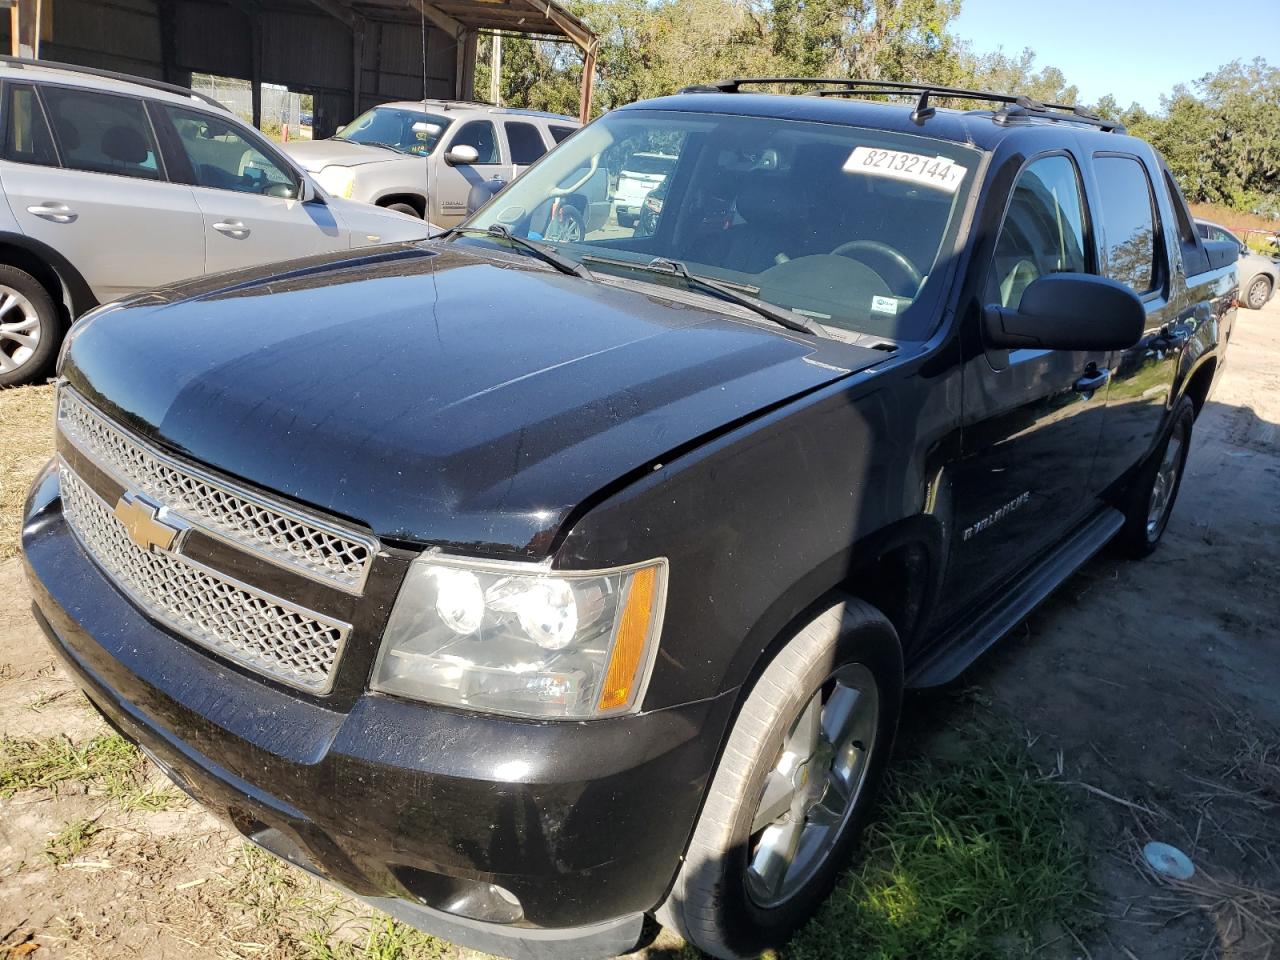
(263, 632)
(245, 518)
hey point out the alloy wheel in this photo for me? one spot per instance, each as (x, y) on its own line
(19, 329)
(1164, 485)
(1258, 291)
(814, 787)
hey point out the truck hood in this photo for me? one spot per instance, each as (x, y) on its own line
(315, 155)
(437, 393)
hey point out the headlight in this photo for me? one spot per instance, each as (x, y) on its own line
(518, 639)
(339, 181)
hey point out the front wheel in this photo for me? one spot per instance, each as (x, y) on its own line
(405, 208)
(1151, 494)
(30, 327)
(796, 779)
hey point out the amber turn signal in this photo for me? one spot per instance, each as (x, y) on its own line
(624, 674)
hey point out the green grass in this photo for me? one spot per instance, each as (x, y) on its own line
(53, 760)
(966, 861)
(108, 761)
(386, 940)
(70, 840)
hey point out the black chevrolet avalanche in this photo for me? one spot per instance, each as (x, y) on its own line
(555, 576)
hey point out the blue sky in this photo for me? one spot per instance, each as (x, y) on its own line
(1132, 49)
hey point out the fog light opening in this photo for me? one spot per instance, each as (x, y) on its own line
(473, 899)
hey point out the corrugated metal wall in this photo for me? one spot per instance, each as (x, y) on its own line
(303, 48)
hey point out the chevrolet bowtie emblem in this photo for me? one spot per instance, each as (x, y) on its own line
(142, 520)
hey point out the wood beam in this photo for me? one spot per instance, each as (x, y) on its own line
(572, 27)
(588, 84)
(438, 18)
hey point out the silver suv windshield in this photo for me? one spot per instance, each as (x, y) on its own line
(407, 131)
(842, 225)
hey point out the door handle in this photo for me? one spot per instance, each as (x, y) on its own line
(1092, 381)
(1173, 335)
(54, 211)
(232, 228)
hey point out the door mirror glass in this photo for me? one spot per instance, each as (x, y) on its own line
(462, 155)
(1067, 311)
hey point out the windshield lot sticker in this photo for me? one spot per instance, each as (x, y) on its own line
(884, 304)
(937, 172)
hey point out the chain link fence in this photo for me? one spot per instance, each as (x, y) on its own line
(279, 105)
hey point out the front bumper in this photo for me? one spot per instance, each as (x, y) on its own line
(410, 807)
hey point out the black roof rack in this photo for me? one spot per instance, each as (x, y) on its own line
(21, 62)
(1017, 106)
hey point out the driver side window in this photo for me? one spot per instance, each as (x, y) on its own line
(222, 159)
(1043, 230)
(481, 135)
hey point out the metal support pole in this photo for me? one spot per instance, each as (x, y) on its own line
(357, 65)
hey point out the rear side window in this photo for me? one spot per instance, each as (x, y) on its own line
(102, 133)
(525, 142)
(1043, 230)
(1127, 211)
(481, 135)
(26, 135)
(560, 134)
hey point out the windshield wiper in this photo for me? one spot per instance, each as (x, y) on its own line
(675, 268)
(376, 143)
(540, 250)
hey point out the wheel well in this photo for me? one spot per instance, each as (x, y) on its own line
(47, 277)
(414, 200)
(1199, 384)
(895, 582)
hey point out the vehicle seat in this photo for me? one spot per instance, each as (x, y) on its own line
(124, 146)
(766, 201)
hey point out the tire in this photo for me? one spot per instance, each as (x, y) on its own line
(405, 208)
(1259, 293)
(571, 227)
(1160, 477)
(722, 901)
(31, 327)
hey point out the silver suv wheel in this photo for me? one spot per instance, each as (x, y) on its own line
(20, 330)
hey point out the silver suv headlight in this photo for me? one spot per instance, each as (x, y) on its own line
(520, 639)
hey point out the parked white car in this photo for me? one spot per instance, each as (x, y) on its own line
(113, 184)
(423, 157)
(640, 175)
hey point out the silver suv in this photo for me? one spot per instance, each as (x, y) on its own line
(423, 157)
(113, 184)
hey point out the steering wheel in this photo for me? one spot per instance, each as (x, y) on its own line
(913, 276)
(577, 184)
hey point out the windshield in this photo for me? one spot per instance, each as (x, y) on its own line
(409, 131)
(843, 225)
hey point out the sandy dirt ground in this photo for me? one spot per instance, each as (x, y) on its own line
(1151, 689)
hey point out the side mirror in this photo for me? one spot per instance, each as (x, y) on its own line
(340, 127)
(307, 192)
(1068, 311)
(482, 193)
(463, 155)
